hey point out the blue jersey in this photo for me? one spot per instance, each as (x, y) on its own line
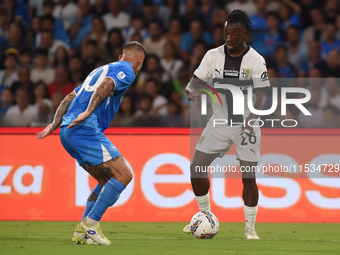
(122, 74)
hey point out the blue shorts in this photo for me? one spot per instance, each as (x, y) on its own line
(87, 145)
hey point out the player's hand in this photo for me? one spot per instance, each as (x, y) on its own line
(193, 96)
(47, 131)
(81, 117)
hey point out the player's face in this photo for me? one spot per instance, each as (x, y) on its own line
(234, 35)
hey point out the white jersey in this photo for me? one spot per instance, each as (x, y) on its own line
(246, 70)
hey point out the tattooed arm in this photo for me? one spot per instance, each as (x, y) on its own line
(98, 96)
(62, 109)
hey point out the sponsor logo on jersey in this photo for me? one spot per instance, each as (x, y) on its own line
(231, 73)
(113, 148)
(121, 75)
(218, 71)
(245, 73)
(264, 76)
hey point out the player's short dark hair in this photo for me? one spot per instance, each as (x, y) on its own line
(134, 44)
(237, 16)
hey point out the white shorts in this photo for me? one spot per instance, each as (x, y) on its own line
(220, 138)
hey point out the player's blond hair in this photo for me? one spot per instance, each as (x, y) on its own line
(134, 45)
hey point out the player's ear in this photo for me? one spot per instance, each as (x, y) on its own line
(120, 57)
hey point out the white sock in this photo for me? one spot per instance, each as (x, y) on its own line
(204, 202)
(91, 222)
(250, 213)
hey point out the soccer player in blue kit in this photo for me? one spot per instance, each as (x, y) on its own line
(83, 115)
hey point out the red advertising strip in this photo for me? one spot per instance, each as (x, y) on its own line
(40, 181)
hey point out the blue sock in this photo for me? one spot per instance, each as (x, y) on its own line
(92, 199)
(108, 197)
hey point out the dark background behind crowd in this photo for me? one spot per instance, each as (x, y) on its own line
(47, 48)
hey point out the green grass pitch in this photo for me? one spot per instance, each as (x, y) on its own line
(35, 238)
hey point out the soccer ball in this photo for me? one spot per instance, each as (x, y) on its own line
(204, 225)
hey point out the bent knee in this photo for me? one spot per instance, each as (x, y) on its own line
(126, 177)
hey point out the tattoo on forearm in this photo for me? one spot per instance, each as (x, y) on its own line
(100, 94)
(62, 109)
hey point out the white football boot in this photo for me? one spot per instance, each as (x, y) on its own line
(95, 233)
(79, 237)
(186, 229)
(250, 233)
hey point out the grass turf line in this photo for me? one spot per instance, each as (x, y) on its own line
(35, 238)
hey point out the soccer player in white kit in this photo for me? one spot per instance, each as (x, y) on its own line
(239, 65)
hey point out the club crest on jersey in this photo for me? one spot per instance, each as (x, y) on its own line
(245, 73)
(201, 139)
(121, 75)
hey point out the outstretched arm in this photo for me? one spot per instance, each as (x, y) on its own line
(101, 92)
(191, 89)
(62, 109)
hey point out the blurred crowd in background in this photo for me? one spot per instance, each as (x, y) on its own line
(48, 47)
